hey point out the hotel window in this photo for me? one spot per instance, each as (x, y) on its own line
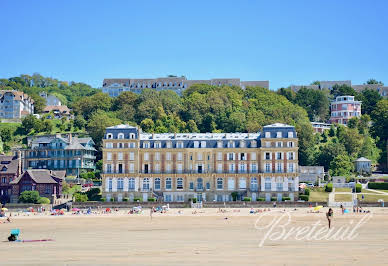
(131, 156)
(132, 145)
(146, 156)
(253, 144)
(231, 144)
(279, 186)
(157, 168)
(179, 183)
(168, 168)
(290, 167)
(254, 185)
(179, 168)
(157, 145)
(131, 183)
(220, 183)
(231, 168)
(157, 183)
(290, 156)
(267, 135)
(219, 168)
(179, 145)
(279, 144)
(168, 145)
(168, 156)
(191, 186)
(243, 156)
(267, 184)
(131, 168)
(120, 156)
(157, 156)
(219, 144)
(290, 144)
(199, 156)
(278, 156)
(267, 144)
(230, 156)
(121, 145)
(196, 144)
(242, 168)
(179, 156)
(279, 168)
(219, 156)
(253, 168)
(203, 144)
(132, 136)
(120, 136)
(180, 198)
(120, 169)
(268, 168)
(120, 184)
(109, 156)
(109, 168)
(231, 185)
(290, 134)
(167, 198)
(146, 184)
(279, 134)
(109, 136)
(146, 145)
(242, 183)
(168, 183)
(253, 156)
(109, 145)
(110, 184)
(242, 144)
(268, 156)
(199, 183)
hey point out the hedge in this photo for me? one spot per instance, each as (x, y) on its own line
(43, 200)
(137, 199)
(358, 188)
(274, 199)
(151, 199)
(286, 198)
(378, 185)
(247, 199)
(260, 199)
(304, 197)
(125, 199)
(329, 187)
(307, 191)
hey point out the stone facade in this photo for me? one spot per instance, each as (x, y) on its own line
(114, 87)
(206, 166)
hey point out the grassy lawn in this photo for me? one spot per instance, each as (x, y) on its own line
(318, 196)
(382, 190)
(343, 189)
(372, 198)
(71, 190)
(343, 197)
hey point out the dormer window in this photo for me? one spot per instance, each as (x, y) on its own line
(231, 144)
(203, 144)
(219, 144)
(179, 144)
(267, 135)
(242, 144)
(169, 145)
(132, 136)
(146, 145)
(278, 134)
(157, 145)
(4, 168)
(290, 134)
(109, 136)
(253, 144)
(196, 144)
(120, 136)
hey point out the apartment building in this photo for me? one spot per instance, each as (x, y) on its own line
(57, 152)
(343, 109)
(114, 87)
(15, 104)
(205, 166)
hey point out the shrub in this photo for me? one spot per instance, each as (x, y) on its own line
(234, 195)
(80, 197)
(358, 188)
(151, 199)
(286, 198)
(194, 200)
(93, 194)
(103, 199)
(260, 199)
(304, 197)
(112, 199)
(307, 191)
(274, 199)
(247, 199)
(377, 185)
(329, 187)
(44, 200)
(136, 199)
(125, 199)
(29, 197)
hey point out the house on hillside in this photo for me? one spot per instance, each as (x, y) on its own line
(47, 183)
(10, 169)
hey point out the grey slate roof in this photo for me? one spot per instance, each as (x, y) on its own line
(9, 164)
(39, 176)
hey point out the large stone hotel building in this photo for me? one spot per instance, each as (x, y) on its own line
(176, 167)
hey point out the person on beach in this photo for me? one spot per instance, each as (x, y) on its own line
(329, 216)
(151, 211)
(342, 209)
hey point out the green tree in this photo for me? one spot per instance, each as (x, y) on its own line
(341, 165)
(47, 126)
(147, 125)
(39, 103)
(306, 143)
(373, 81)
(379, 128)
(369, 99)
(328, 152)
(315, 102)
(97, 124)
(29, 196)
(29, 123)
(369, 149)
(89, 105)
(6, 134)
(79, 122)
(342, 90)
(353, 122)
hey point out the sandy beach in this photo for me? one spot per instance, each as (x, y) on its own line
(177, 238)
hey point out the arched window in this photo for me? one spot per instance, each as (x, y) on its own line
(220, 183)
(157, 183)
(120, 136)
(120, 184)
(146, 183)
(199, 183)
(168, 183)
(254, 185)
(131, 183)
(110, 184)
(179, 183)
(109, 136)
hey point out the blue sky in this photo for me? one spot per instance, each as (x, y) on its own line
(286, 42)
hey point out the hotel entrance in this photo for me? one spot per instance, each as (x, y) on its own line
(199, 197)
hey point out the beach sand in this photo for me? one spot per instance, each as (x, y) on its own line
(190, 239)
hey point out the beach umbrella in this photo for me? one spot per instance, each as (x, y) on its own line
(4, 209)
(318, 207)
(75, 209)
(346, 211)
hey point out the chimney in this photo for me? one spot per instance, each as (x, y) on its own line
(174, 135)
(58, 135)
(19, 158)
(153, 135)
(70, 138)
